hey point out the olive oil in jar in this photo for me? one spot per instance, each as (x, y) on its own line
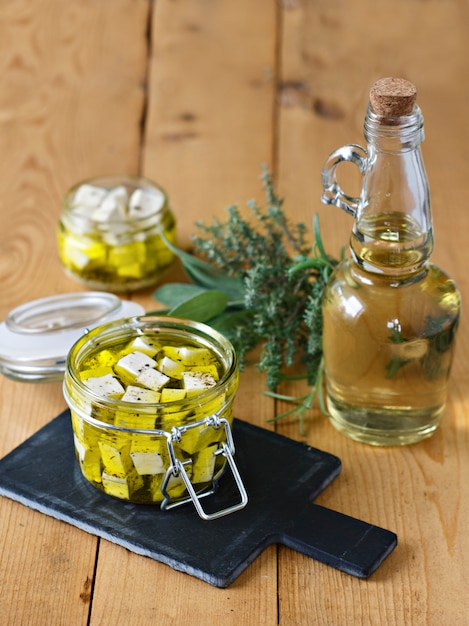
(390, 315)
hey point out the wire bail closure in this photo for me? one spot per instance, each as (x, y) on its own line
(177, 468)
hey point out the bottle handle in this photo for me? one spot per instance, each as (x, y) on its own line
(333, 193)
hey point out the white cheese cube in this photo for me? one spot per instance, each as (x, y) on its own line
(168, 394)
(152, 379)
(148, 345)
(204, 465)
(197, 381)
(188, 355)
(116, 200)
(116, 486)
(147, 463)
(138, 394)
(115, 458)
(104, 215)
(89, 196)
(133, 364)
(107, 386)
(143, 203)
(111, 215)
(176, 487)
(78, 258)
(148, 456)
(120, 486)
(80, 448)
(170, 368)
(211, 369)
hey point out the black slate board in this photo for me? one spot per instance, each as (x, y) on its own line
(281, 477)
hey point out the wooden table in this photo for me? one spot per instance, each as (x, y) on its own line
(197, 94)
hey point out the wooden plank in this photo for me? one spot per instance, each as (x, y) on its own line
(46, 571)
(71, 104)
(64, 72)
(208, 130)
(211, 104)
(147, 592)
(331, 54)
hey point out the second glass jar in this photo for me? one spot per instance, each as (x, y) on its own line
(109, 234)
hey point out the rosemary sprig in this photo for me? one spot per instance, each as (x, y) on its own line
(258, 281)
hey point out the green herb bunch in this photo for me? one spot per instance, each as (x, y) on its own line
(257, 280)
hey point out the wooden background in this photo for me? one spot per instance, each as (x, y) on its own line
(197, 94)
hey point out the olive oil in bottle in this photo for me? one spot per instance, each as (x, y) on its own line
(390, 315)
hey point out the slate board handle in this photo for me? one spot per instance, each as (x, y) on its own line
(343, 542)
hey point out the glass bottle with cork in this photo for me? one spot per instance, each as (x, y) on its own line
(390, 315)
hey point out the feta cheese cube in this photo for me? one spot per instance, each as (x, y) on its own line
(169, 394)
(143, 204)
(196, 439)
(138, 394)
(107, 386)
(176, 487)
(148, 345)
(203, 465)
(114, 204)
(88, 196)
(89, 459)
(122, 486)
(196, 382)
(188, 355)
(140, 420)
(116, 459)
(147, 462)
(171, 368)
(152, 379)
(133, 364)
(211, 369)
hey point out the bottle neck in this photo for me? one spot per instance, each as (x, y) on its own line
(393, 233)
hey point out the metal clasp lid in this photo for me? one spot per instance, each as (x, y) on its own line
(177, 468)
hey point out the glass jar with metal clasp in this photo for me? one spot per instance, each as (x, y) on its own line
(151, 400)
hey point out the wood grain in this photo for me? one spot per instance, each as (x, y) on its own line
(197, 94)
(64, 71)
(332, 54)
(71, 106)
(211, 104)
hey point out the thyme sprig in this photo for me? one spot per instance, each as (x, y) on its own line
(258, 281)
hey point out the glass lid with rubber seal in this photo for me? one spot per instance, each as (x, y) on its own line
(36, 336)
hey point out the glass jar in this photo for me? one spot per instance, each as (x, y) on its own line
(148, 449)
(109, 235)
(389, 315)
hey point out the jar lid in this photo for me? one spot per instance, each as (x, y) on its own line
(36, 336)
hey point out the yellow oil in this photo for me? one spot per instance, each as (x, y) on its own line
(388, 338)
(132, 465)
(102, 264)
(391, 241)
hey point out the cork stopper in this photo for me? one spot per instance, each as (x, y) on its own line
(393, 97)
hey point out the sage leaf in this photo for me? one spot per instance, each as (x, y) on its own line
(206, 275)
(175, 293)
(214, 280)
(228, 321)
(202, 306)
